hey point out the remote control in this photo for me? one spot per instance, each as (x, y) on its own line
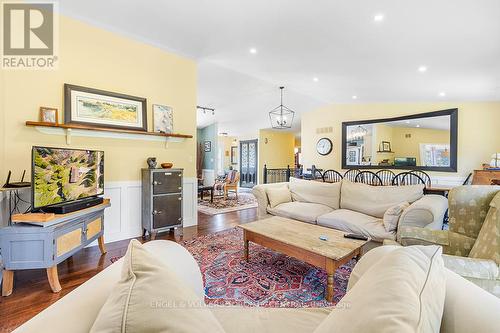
(355, 236)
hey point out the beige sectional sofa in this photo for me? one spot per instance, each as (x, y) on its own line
(463, 307)
(351, 207)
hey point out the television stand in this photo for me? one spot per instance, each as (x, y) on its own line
(32, 242)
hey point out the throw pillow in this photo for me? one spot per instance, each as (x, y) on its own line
(151, 298)
(487, 244)
(278, 195)
(403, 292)
(392, 215)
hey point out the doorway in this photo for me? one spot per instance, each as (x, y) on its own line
(248, 163)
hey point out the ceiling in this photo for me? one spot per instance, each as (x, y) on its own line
(336, 41)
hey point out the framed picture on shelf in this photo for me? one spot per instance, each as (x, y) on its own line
(207, 145)
(385, 146)
(48, 115)
(99, 108)
(163, 121)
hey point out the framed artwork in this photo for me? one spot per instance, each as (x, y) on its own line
(48, 115)
(163, 121)
(207, 145)
(385, 146)
(99, 108)
(234, 155)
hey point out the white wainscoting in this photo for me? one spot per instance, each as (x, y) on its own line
(123, 219)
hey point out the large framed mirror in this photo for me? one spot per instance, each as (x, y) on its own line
(425, 141)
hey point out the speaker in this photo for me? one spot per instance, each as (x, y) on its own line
(73, 206)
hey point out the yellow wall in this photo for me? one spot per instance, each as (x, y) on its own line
(96, 58)
(226, 143)
(478, 134)
(410, 147)
(278, 152)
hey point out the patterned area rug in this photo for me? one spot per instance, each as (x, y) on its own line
(221, 205)
(268, 279)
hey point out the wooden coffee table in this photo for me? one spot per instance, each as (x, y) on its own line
(301, 240)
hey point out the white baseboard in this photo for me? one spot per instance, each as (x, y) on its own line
(123, 219)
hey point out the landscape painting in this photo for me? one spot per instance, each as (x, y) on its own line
(104, 109)
(61, 175)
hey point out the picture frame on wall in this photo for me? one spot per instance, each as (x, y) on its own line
(207, 145)
(48, 115)
(385, 146)
(234, 155)
(163, 119)
(100, 108)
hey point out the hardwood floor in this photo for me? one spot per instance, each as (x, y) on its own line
(32, 292)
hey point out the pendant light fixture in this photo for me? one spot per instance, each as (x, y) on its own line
(281, 117)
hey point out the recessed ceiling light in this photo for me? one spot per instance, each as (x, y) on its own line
(442, 94)
(354, 97)
(418, 125)
(315, 79)
(422, 69)
(253, 50)
(378, 17)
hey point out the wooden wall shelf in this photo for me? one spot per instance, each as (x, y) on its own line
(90, 131)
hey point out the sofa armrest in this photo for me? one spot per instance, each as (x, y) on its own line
(426, 212)
(260, 194)
(471, 267)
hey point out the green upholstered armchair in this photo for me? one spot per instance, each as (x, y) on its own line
(471, 246)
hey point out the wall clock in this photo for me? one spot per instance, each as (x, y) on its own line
(324, 146)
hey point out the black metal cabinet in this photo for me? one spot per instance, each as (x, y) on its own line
(161, 200)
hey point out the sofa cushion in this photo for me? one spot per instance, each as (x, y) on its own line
(357, 223)
(302, 211)
(327, 194)
(252, 320)
(375, 200)
(391, 216)
(150, 297)
(278, 195)
(403, 292)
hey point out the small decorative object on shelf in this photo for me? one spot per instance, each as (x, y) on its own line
(167, 165)
(495, 162)
(163, 121)
(151, 162)
(48, 115)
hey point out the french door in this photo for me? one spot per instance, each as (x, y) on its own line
(248, 163)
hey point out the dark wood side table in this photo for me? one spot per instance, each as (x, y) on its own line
(202, 189)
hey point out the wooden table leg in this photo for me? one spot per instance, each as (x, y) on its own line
(53, 279)
(7, 282)
(245, 245)
(331, 267)
(102, 247)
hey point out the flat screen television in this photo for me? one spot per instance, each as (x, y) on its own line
(61, 175)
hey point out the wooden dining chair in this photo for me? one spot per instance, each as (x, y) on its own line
(332, 176)
(407, 178)
(386, 176)
(351, 174)
(369, 178)
(424, 176)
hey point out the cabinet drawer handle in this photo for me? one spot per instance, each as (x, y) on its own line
(168, 174)
(156, 183)
(180, 198)
(179, 188)
(156, 212)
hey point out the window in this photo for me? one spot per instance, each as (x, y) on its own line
(435, 154)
